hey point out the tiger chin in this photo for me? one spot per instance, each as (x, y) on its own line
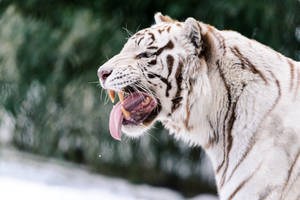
(233, 96)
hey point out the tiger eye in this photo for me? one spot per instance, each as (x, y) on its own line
(151, 76)
(144, 55)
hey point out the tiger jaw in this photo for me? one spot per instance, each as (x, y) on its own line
(132, 113)
(125, 113)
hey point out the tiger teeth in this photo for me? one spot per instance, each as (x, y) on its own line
(111, 94)
(146, 101)
(125, 112)
(121, 96)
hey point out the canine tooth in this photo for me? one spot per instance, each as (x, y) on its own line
(111, 94)
(125, 112)
(146, 101)
(121, 96)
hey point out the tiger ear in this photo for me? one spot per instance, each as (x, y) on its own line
(192, 32)
(159, 18)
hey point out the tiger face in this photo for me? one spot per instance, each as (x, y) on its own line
(152, 75)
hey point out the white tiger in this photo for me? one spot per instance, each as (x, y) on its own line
(238, 99)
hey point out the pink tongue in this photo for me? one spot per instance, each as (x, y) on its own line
(115, 121)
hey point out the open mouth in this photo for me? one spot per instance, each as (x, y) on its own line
(133, 109)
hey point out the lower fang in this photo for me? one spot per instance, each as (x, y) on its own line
(146, 101)
(125, 113)
(121, 96)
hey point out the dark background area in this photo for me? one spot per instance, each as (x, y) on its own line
(50, 51)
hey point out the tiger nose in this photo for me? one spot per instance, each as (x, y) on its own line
(104, 74)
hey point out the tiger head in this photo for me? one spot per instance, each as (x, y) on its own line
(154, 75)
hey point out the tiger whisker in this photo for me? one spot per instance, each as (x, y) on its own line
(106, 98)
(143, 87)
(128, 32)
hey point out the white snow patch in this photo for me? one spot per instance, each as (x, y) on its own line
(13, 188)
(23, 176)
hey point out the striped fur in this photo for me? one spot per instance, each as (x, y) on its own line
(238, 99)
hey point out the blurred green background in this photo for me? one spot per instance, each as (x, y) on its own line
(50, 51)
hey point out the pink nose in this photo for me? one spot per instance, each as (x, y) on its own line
(104, 74)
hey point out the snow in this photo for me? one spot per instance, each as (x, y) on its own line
(24, 176)
(12, 188)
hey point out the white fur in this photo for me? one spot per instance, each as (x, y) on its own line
(267, 111)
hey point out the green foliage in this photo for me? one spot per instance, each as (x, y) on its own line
(49, 54)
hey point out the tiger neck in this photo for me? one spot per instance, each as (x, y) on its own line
(235, 123)
(210, 121)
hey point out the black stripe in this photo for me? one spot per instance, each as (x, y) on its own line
(152, 37)
(293, 183)
(187, 108)
(243, 183)
(249, 148)
(140, 40)
(152, 62)
(229, 135)
(178, 77)
(170, 62)
(226, 115)
(289, 174)
(152, 47)
(279, 92)
(169, 45)
(212, 139)
(246, 61)
(292, 73)
(176, 103)
(168, 29)
(150, 76)
(164, 80)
